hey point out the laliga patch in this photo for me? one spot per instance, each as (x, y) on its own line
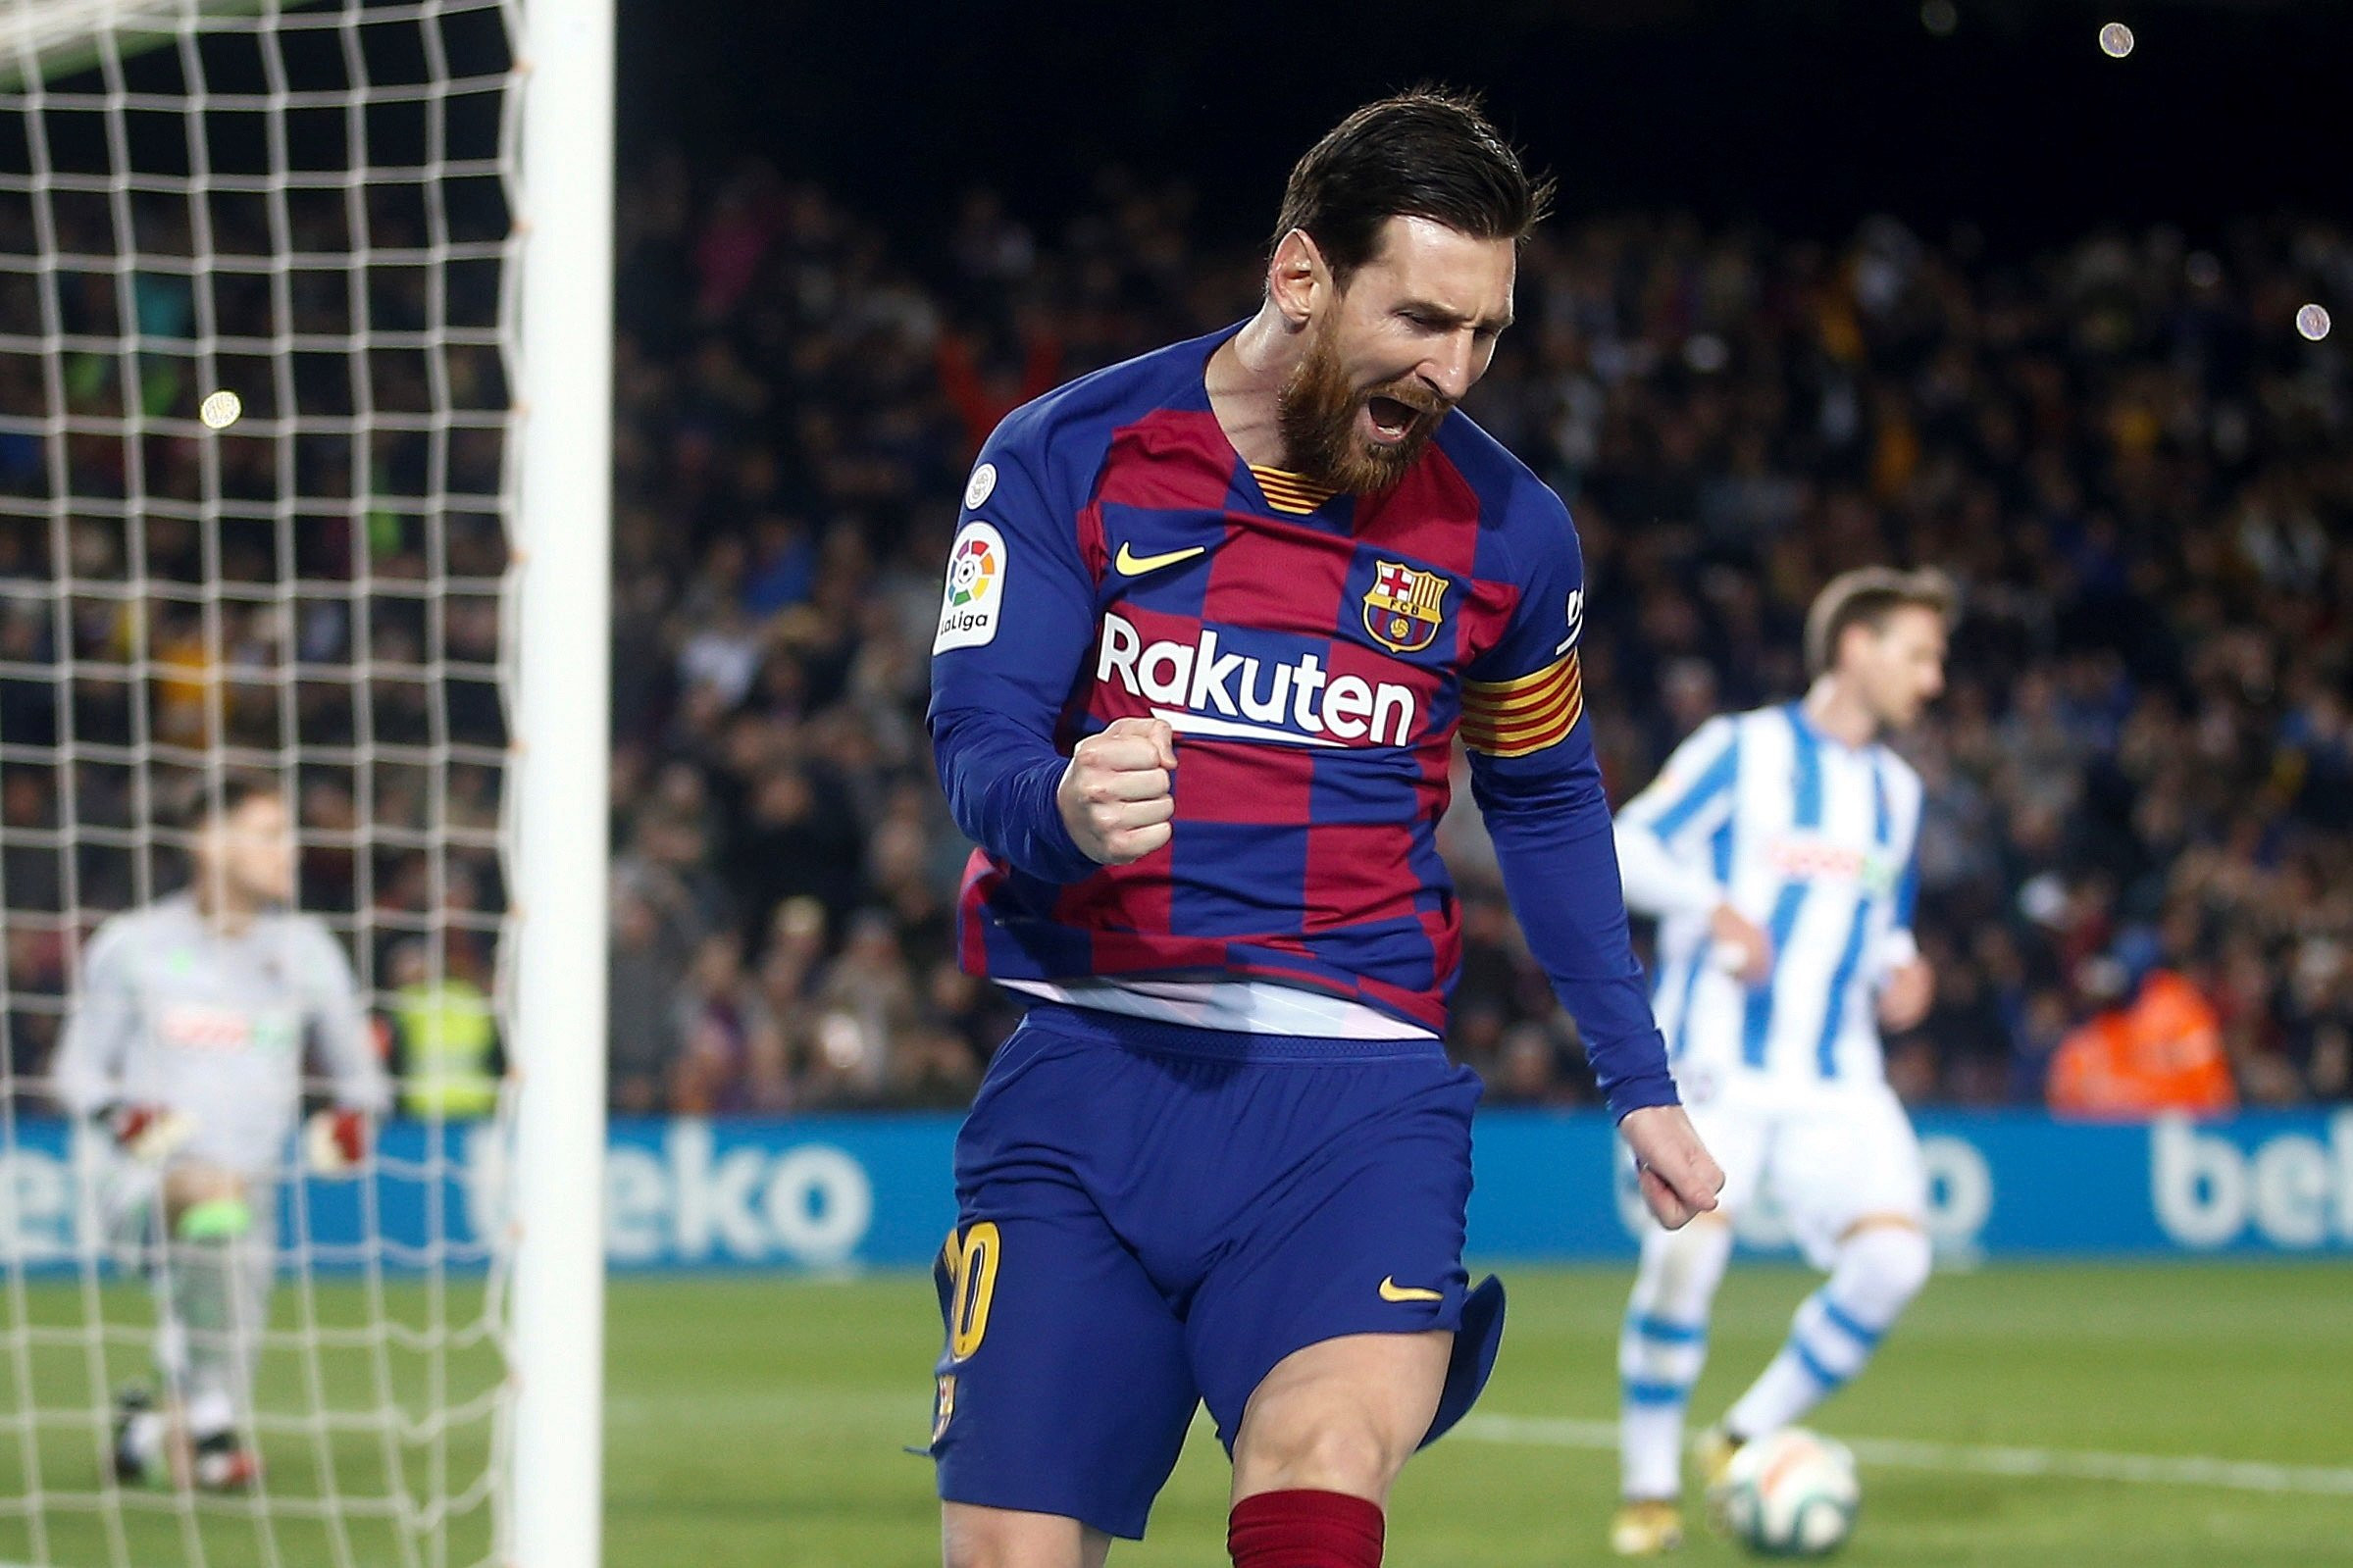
(976, 589)
(980, 487)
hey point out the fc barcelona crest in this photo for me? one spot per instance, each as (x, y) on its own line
(1404, 607)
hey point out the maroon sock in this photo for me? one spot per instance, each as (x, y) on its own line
(1304, 1529)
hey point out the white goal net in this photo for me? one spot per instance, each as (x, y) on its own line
(260, 294)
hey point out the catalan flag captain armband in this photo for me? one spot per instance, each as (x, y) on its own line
(1517, 718)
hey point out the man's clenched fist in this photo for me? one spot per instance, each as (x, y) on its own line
(1117, 794)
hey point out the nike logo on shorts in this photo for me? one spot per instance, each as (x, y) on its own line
(1391, 1290)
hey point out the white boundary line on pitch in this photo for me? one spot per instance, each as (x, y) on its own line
(2237, 1475)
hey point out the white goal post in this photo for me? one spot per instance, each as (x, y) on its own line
(564, 713)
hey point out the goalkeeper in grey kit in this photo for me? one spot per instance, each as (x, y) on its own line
(186, 1043)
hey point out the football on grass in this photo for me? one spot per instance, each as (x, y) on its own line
(1791, 1493)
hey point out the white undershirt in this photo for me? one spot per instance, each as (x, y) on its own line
(1238, 1006)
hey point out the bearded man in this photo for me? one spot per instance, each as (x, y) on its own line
(1214, 618)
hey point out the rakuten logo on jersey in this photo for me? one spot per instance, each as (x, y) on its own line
(1202, 690)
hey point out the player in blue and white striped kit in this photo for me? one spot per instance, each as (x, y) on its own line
(1777, 852)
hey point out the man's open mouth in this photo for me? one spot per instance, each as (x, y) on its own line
(1392, 417)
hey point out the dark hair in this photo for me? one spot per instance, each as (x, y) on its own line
(1867, 596)
(206, 804)
(1427, 153)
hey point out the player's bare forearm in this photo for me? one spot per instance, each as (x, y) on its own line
(1679, 1178)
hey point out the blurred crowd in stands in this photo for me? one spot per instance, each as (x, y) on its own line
(179, 600)
(2140, 473)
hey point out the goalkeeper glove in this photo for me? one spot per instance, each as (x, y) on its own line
(149, 1132)
(337, 1141)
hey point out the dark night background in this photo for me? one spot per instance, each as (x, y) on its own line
(1802, 115)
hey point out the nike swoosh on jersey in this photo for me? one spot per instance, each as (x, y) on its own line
(1391, 1290)
(1132, 564)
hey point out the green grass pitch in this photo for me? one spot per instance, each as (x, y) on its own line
(2022, 1415)
(802, 1395)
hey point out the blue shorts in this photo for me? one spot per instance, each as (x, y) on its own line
(1151, 1216)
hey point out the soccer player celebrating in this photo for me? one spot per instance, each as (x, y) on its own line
(1213, 619)
(1777, 851)
(187, 1040)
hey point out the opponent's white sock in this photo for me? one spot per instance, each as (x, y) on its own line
(1878, 1270)
(1660, 1349)
(209, 1411)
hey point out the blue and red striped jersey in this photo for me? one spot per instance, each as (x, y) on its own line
(1316, 654)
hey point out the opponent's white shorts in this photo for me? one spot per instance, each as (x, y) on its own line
(1812, 1166)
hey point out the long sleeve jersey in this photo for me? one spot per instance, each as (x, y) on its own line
(1316, 655)
(173, 1012)
(1814, 842)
